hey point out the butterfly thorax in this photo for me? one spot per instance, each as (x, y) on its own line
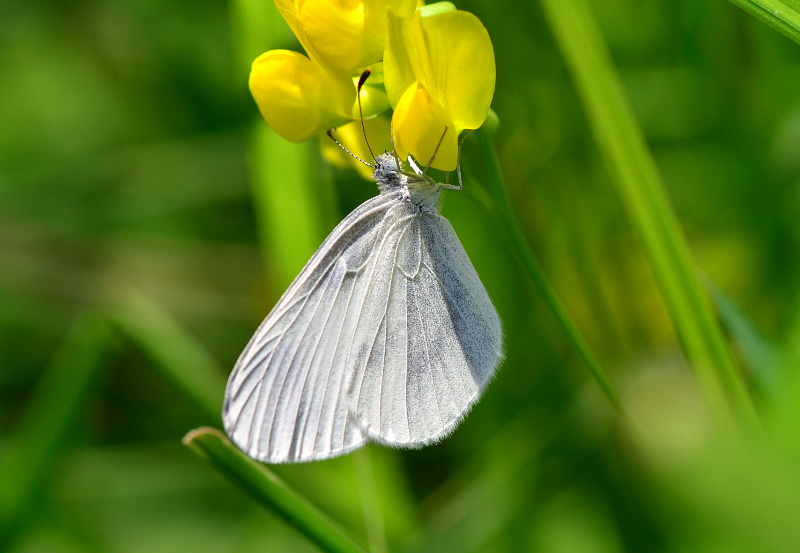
(416, 187)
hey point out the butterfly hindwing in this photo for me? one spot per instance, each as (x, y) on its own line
(436, 340)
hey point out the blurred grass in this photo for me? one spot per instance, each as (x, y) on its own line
(287, 203)
(28, 461)
(181, 359)
(127, 161)
(530, 265)
(640, 187)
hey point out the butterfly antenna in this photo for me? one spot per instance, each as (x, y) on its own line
(351, 154)
(361, 81)
(458, 158)
(428, 166)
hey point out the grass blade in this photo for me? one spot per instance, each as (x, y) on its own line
(534, 271)
(638, 183)
(781, 15)
(766, 368)
(266, 488)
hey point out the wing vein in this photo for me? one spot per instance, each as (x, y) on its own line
(311, 365)
(363, 301)
(328, 377)
(446, 293)
(383, 371)
(280, 389)
(266, 367)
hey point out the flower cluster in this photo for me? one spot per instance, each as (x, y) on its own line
(437, 67)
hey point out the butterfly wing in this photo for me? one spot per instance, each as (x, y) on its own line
(436, 341)
(285, 398)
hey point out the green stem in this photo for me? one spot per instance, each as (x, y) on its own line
(266, 488)
(534, 271)
(639, 185)
(781, 15)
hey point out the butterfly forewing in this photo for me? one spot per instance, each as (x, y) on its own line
(284, 401)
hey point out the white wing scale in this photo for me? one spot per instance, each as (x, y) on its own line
(387, 334)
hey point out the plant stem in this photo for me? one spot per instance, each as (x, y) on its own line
(534, 271)
(266, 488)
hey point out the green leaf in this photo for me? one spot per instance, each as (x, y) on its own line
(763, 360)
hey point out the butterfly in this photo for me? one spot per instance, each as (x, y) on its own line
(387, 335)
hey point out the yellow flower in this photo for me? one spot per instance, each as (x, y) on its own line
(440, 74)
(301, 97)
(347, 34)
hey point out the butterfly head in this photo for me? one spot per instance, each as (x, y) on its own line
(417, 187)
(388, 173)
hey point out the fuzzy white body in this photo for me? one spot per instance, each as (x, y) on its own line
(386, 335)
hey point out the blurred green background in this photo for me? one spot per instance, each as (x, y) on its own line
(134, 268)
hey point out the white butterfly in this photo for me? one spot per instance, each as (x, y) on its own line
(386, 335)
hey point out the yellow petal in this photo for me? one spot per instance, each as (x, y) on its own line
(464, 49)
(397, 69)
(335, 29)
(286, 9)
(347, 34)
(405, 49)
(294, 94)
(448, 52)
(375, 21)
(341, 92)
(418, 123)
